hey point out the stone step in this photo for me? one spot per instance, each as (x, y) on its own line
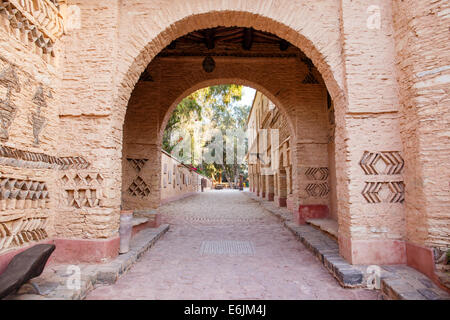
(139, 221)
(328, 226)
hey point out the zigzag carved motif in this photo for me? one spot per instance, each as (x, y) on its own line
(320, 173)
(394, 192)
(317, 189)
(384, 162)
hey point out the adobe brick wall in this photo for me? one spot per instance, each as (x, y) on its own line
(389, 97)
(422, 47)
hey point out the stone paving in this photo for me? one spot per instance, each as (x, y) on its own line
(249, 255)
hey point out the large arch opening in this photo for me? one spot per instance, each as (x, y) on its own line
(281, 73)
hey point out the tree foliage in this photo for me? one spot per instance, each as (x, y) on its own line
(211, 108)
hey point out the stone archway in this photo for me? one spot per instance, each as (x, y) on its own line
(318, 29)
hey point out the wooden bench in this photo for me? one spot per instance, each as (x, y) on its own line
(23, 267)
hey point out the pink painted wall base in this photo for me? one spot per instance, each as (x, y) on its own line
(310, 212)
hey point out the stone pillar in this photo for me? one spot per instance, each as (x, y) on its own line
(87, 125)
(310, 156)
(263, 186)
(282, 195)
(314, 189)
(258, 184)
(422, 47)
(270, 187)
(369, 155)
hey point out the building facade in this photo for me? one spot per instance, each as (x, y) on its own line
(86, 85)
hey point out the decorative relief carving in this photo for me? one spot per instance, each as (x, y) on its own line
(39, 20)
(385, 162)
(36, 119)
(384, 192)
(21, 230)
(320, 173)
(317, 190)
(137, 164)
(139, 188)
(26, 159)
(8, 110)
(22, 194)
(82, 189)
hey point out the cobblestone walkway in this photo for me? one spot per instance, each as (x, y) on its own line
(223, 245)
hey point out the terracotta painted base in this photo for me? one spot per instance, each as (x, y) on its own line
(281, 202)
(422, 259)
(315, 211)
(88, 251)
(379, 252)
(72, 251)
(270, 196)
(263, 194)
(7, 257)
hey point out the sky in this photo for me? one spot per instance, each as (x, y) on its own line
(248, 94)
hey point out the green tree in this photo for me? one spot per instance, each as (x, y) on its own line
(214, 107)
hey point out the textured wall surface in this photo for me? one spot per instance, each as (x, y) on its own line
(71, 109)
(423, 64)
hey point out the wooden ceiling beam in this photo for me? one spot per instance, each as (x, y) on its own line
(209, 38)
(247, 42)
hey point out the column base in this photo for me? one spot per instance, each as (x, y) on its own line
(281, 202)
(290, 205)
(368, 252)
(270, 196)
(312, 211)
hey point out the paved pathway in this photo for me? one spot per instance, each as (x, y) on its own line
(191, 261)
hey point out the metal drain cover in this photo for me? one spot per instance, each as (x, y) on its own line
(232, 248)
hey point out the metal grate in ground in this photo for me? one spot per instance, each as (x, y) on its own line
(224, 247)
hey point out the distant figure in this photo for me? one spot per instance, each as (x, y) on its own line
(241, 183)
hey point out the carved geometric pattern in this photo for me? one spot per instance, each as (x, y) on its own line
(384, 162)
(21, 230)
(22, 194)
(317, 189)
(137, 164)
(139, 188)
(320, 173)
(36, 119)
(82, 189)
(8, 110)
(39, 20)
(384, 192)
(26, 159)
